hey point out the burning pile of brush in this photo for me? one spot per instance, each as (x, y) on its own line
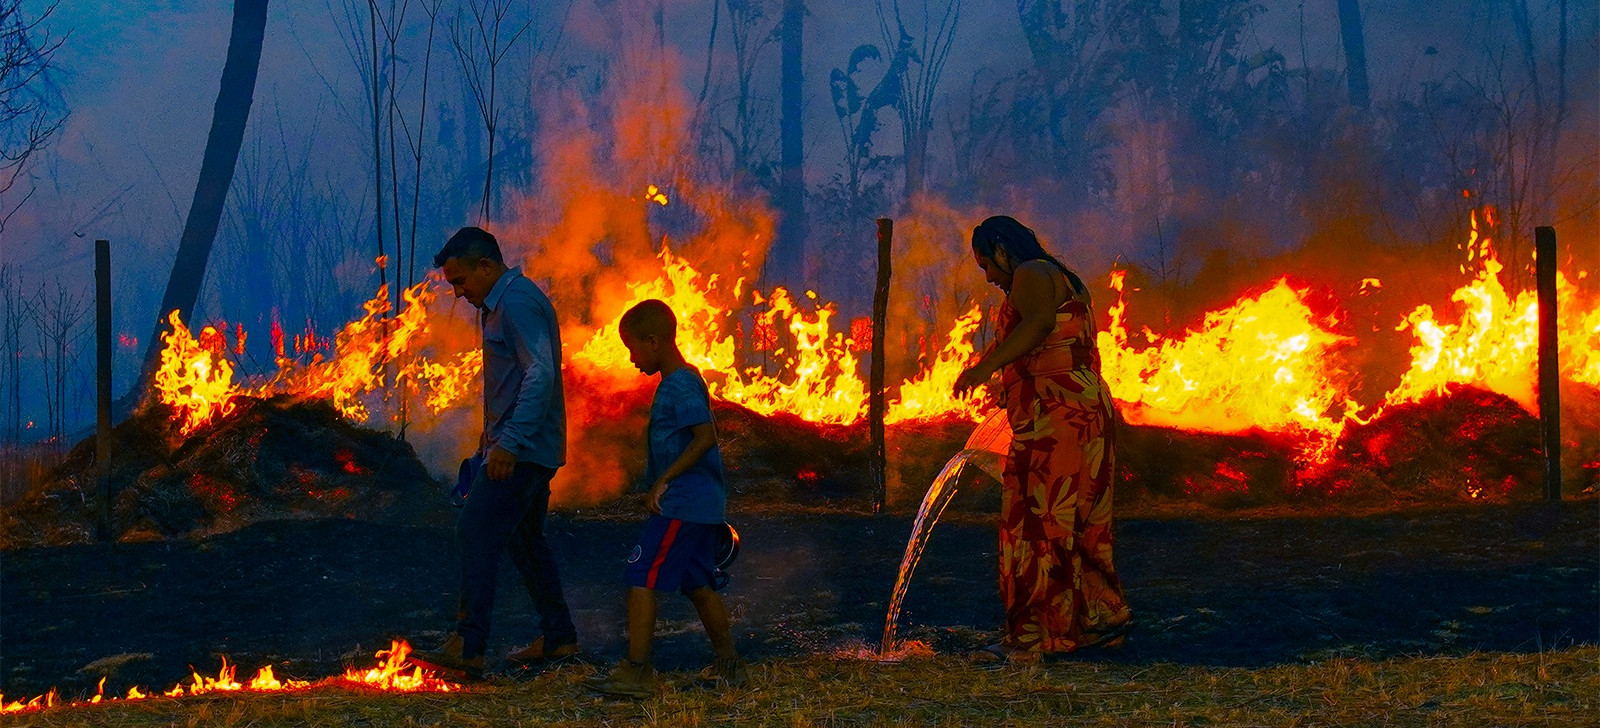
(1254, 405)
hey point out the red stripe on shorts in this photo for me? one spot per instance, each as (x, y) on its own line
(661, 552)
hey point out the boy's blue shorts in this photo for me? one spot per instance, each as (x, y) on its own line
(674, 555)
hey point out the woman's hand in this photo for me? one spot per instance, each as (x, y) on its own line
(971, 377)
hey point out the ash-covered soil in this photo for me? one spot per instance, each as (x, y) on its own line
(312, 596)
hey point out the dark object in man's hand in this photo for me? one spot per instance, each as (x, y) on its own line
(469, 470)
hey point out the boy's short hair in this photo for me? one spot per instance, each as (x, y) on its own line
(469, 244)
(650, 318)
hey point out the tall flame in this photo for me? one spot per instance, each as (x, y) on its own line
(1495, 342)
(368, 355)
(195, 380)
(364, 351)
(823, 383)
(701, 305)
(930, 393)
(1263, 363)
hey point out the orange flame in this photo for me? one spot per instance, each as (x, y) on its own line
(363, 351)
(196, 381)
(397, 674)
(369, 355)
(823, 383)
(1264, 362)
(702, 321)
(929, 394)
(1495, 343)
(393, 673)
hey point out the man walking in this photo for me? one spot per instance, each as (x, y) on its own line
(523, 443)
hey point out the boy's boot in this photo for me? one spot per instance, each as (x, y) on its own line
(448, 661)
(729, 672)
(628, 679)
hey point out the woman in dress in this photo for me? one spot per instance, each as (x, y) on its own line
(1057, 582)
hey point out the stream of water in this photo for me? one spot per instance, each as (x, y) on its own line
(986, 448)
(933, 505)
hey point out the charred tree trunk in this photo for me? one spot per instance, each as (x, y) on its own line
(228, 120)
(792, 184)
(1355, 53)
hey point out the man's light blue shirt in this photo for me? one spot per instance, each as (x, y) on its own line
(524, 410)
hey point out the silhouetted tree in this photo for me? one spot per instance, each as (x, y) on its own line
(792, 230)
(929, 50)
(228, 120)
(29, 116)
(1355, 52)
(481, 47)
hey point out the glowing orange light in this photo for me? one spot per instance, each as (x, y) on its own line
(393, 673)
(196, 381)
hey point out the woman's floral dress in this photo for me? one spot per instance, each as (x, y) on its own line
(1057, 580)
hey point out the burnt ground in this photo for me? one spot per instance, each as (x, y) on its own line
(311, 596)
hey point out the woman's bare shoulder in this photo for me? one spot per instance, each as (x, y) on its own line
(1043, 274)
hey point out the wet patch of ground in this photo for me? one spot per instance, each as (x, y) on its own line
(312, 596)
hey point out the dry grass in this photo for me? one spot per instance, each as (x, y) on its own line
(1559, 688)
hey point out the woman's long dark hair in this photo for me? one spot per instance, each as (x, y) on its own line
(1003, 232)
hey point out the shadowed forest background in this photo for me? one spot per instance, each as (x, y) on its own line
(1205, 145)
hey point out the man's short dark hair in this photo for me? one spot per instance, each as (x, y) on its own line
(469, 244)
(650, 318)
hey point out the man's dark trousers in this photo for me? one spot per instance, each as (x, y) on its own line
(507, 516)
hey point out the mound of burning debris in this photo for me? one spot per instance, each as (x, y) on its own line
(286, 458)
(1467, 446)
(272, 458)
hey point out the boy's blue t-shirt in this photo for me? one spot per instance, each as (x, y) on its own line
(699, 495)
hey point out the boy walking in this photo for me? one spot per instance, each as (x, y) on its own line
(687, 501)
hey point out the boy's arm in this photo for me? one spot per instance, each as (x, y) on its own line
(705, 438)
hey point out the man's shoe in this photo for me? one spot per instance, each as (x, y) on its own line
(732, 672)
(628, 679)
(448, 662)
(541, 651)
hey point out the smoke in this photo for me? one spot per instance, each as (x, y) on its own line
(590, 231)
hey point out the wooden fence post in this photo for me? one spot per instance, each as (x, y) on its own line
(1544, 239)
(875, 403)
(102, 444)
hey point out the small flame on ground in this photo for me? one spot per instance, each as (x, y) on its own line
(392, 674)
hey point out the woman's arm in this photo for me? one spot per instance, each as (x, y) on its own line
(1033, 295)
